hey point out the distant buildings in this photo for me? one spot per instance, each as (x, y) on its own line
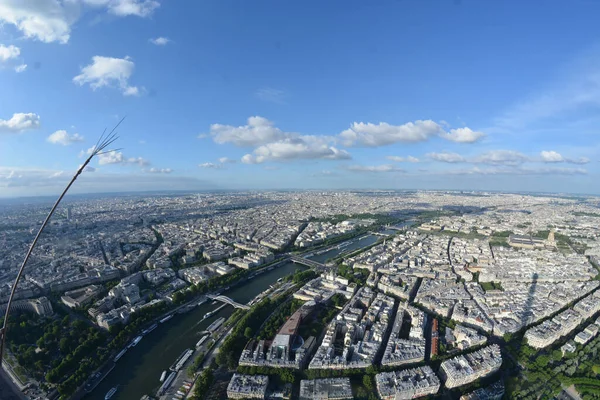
(407, 384)
(247, 386)
(324, 389)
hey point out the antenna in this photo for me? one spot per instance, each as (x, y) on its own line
(99, 148)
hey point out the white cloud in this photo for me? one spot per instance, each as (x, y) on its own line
(51, 20)
(580, 160)
(87, 152)
(271, 95)
(551, 156)
(44, 20)
(20, 122)
(301, 147)
(62, 137)
(124, 8)
(160, 41)
(446, 157)
(555, 157)
(226, 160)
(258, 131)
(158, 170)
(89, 168)
(9, 57)
(109, 72)
(501, 157)
(8, 53)
(374, 168)
(463, 135)
(131, 91)
(410, 159)
(116, 157)
(210, 165)
(374, 135)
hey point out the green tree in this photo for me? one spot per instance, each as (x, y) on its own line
(248, 333)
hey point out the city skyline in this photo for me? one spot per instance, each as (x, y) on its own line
(451, 96)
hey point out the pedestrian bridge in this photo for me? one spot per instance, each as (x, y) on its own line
(307, 262)
(227, 300)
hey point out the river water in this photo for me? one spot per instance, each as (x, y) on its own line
(138, 371)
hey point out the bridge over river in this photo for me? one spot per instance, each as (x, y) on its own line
(227, 300)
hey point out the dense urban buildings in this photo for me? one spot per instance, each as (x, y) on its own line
(442, 275)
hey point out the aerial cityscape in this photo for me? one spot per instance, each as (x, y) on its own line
(372, 294)
(310, 200)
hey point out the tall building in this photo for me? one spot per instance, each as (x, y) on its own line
(69, 213)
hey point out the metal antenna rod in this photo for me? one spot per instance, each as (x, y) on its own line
(99, 148)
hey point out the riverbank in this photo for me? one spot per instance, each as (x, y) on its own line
(138, 371)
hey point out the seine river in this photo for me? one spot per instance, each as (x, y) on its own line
(138, 371)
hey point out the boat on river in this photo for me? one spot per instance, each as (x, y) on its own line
(111, 393)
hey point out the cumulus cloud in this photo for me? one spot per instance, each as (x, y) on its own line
(44, 20)
(301, 147)
(551, 157)
(501, 157)
(20, 68)
(160, 41)
(51, 20)
(410, 159)
(62, 137)
(210, 165)
(463, 135)
(108, 72)
(271, 95)
(258, 131)
(226, 160)
(446, 157)
(158, 170)
(20, 122)
(555, 157)
(374, 168)
(8, 53)
(374, 135)
(116, 157)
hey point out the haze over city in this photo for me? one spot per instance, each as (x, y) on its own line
(263, 95)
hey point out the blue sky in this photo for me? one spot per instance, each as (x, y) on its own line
(270, 94)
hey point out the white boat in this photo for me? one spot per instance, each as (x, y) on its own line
(201, 341)
(118, 356)
(165, 319)
(111, 393)
(163, 376)
(215, 325)
(149, 329)
(202, 301)
(135, 341)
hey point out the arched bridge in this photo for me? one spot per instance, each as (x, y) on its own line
(227, 300)
(307, 262)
